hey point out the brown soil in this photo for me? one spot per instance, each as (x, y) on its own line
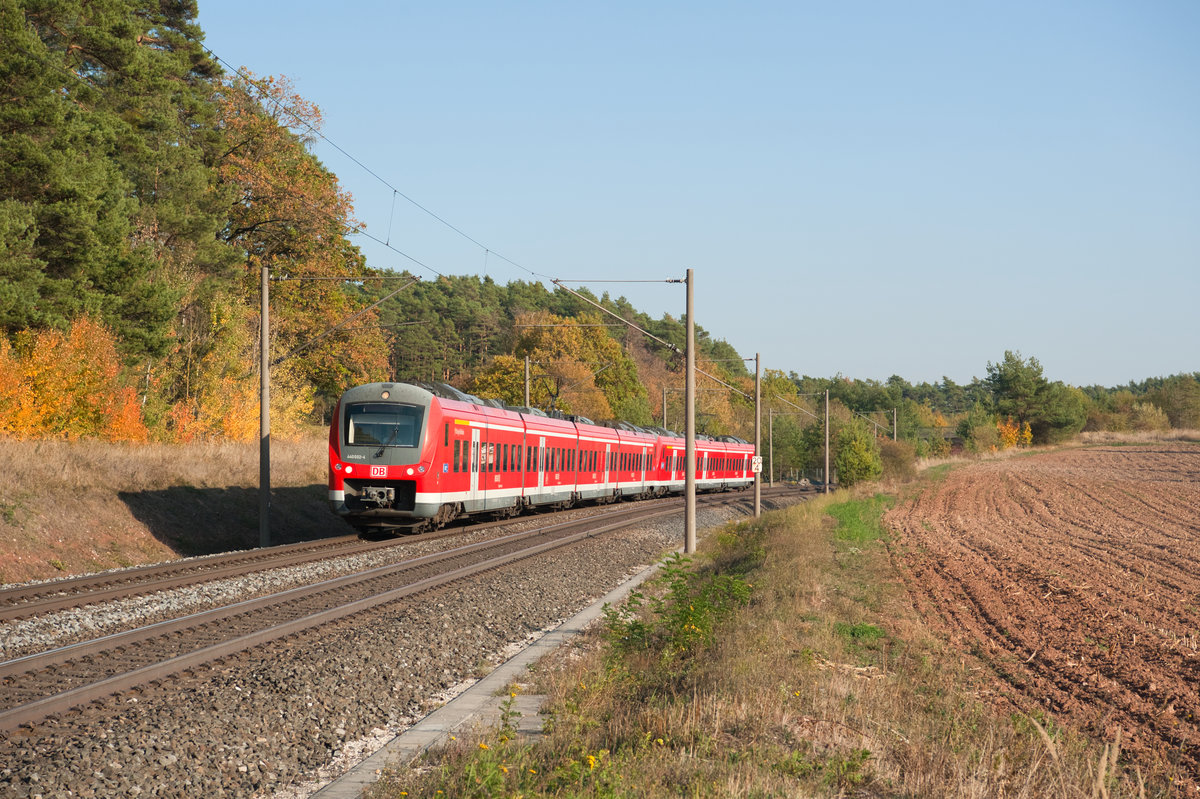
(1075, 576)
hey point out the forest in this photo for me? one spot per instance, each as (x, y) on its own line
(144, 188)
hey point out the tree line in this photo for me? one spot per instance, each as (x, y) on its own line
(143, 188)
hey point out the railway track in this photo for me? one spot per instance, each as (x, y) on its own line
(27, 601)
(49, 683)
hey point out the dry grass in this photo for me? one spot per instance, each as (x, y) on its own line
(73, 507)
(1140, 437)
(826, 684)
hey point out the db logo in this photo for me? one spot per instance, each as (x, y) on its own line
(379, 471)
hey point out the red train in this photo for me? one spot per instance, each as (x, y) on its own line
(417, 456)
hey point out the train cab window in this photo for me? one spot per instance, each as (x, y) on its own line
(446, 441)
(383, 424)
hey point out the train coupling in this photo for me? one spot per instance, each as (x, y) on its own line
(381, 496)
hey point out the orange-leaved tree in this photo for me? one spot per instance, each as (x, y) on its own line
(1010, 433)
(67, 385)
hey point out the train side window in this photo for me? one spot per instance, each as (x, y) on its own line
(446, 442)
(457, 453)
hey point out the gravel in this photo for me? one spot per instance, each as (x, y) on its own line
(269, 718)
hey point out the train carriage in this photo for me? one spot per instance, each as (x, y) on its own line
(417, 456)
(595, 479)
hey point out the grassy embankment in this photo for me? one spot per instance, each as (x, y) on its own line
(76, 507)
(784, 660)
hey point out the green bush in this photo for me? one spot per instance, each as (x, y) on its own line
(856, 455)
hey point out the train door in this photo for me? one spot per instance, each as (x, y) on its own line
(606, 464)
(541, 462)
(644, 464)
(474, 479)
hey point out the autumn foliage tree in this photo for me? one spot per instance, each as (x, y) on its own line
(292, 216)
(67, 385)
(577, 368)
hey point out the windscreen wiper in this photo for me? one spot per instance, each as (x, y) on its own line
(389, 442)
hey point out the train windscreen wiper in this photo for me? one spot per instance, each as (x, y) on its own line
(389, 442)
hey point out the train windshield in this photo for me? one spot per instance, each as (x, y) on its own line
(383, 424)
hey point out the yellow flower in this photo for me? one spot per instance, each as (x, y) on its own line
(504, 769)
(533, 771)
(484, 746)
(591, 761)
(797, 693)
(659, 741)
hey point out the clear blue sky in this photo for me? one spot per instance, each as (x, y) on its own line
(864, 188)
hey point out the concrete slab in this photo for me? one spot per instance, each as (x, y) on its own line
(478, 706)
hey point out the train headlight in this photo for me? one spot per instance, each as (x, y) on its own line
(385, 394)
(349, 469)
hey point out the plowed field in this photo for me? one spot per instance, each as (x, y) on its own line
(1075, 576)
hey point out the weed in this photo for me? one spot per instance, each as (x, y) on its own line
(846, 772)
(861, 632)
